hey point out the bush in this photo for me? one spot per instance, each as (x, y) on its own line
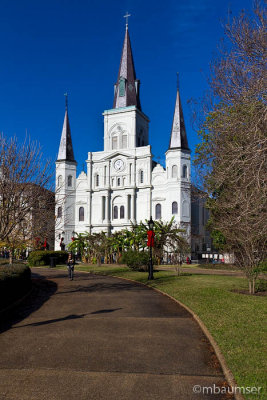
(15, 282)
(137, 261)
(261, 285)
(42, 257)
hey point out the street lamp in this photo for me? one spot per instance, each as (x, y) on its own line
(150, 244)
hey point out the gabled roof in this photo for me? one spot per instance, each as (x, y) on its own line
(178, 137)
(127, 86)
(65, 152)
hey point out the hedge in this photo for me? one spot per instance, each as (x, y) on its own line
(137, 261)
(42, 257)
(15, 282)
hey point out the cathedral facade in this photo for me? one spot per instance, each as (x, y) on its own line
(122, 184)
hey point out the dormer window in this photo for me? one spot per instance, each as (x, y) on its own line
(122, 87)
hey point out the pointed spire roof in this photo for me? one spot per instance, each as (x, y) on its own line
(178, 137)
(65, 152)
(127, 86)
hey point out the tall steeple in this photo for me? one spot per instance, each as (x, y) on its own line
(178, 137)
(65, 152)
(126, 90)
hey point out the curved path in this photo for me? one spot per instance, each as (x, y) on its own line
(102, 338)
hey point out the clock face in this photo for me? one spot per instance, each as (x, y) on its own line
(118, 165)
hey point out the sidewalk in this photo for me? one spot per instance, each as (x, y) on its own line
(102, 338)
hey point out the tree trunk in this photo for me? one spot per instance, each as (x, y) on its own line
(10, 258)
(253, 285)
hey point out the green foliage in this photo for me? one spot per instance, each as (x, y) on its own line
(42, 257)
(135, 260)
(219, 241)
(97, 245)
(263, 266)
(261, 285)
(15, 281)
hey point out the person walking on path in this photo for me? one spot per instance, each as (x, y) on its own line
(70, 264)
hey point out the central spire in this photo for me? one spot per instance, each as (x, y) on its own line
(126, 91)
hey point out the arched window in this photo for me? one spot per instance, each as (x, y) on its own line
(69, 180)
(97, 180)
(124, 141)
(185, 209)
(115, 212)
(158, 211)
(141, 174)
(59, 212)
(121, 212)
(81, 214)
(119, 181)
(59, 181)
(174, 207)
(105, 175)
(174, 171)
(184, 171)
(114, 142)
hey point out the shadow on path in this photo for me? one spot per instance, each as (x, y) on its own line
(69, 317)
(42, 290)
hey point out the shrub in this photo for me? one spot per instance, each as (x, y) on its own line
(42, 257)
(15, 282)
(137, 261)
(261, 285)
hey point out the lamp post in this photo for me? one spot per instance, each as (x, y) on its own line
(150, 244)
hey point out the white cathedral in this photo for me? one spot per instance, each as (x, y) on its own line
(122, 184)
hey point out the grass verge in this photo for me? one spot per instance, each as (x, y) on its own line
(236, 321)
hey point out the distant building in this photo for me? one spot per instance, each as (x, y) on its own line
(201, 243)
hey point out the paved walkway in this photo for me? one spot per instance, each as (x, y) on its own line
(102, 338)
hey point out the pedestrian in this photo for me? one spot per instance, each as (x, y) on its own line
(70, 264)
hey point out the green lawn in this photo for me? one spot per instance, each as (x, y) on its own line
(236, 321)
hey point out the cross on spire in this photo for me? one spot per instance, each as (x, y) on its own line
(126, 16)
(66, 101)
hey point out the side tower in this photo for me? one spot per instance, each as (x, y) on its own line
(65, 186)
(178, 170)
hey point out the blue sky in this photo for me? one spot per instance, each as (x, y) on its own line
(53, 46)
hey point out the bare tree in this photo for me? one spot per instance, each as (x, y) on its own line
(25, 201)
(232, 157)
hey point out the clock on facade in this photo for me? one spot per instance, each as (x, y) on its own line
(118, 165)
